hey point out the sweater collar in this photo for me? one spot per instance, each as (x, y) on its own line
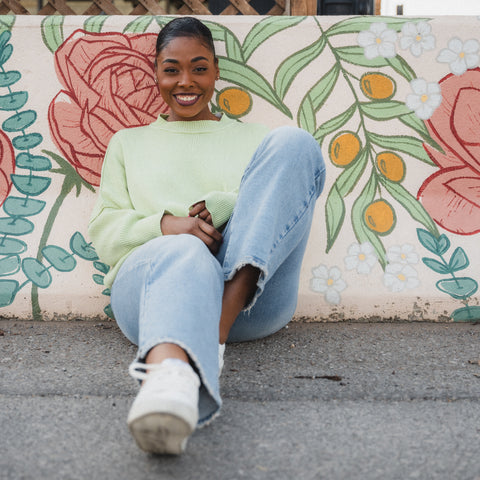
(194, 126)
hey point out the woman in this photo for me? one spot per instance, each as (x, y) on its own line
(204, 221)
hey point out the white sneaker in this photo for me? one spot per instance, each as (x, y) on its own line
(165, 412)
(221, 352)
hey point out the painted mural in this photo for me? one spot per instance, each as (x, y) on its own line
(393, 102)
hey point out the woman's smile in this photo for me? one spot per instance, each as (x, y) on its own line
(186, 100)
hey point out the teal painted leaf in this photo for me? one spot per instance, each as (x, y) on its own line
(459, 260)
(107, 292)
(23, 206)
(36, 272)
(322, 89)
(108, 311)
(27, 141)
(443, 244)
(12, 246)
(52, 31)
(403, 143)
(9, 265)
(350, 176)
(358, 24)
(383, 110)
(6, 24)
(410, 204)
(248, 78)
(139, 25)
(101, 267)
(94, 23)
(428, 240)
(334, 124)
(6, 53)
(20, 121)
(16, 226)
(436, 266)
(9, 78)
(59, 258)
(8, 290)
(234, 49)
(30, 184)
(466, 314)
(13, 101)
(6, 35)
(306, 115)
(412, 121)
(459, 288)
(335, 216)
(266, 28)
(294, 64)
(356, 56)
(98, 279)
(399, 64)
(80, 247)
(37, 163)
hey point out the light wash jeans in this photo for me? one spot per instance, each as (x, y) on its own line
(170, 289)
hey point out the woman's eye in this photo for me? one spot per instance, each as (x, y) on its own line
(170, 70)
(201, 69)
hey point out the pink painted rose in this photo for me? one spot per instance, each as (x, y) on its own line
(452, 194)
(7, 166)
(108, 84)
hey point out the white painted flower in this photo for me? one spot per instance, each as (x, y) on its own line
(329, 282)
(426, 97)
(417, 37)
(398, 277)
(460, 55)
(404, 254)
(361, 258)
(378, 41)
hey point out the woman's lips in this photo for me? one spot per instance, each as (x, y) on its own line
(186, 100)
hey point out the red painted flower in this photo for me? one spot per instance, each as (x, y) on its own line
(108, 81)
(7, 166)
(452, 194)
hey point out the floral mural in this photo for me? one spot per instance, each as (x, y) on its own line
(400, 141)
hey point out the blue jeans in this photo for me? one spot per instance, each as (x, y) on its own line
(170, 289)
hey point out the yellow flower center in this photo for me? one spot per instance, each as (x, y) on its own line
(361, 257)
(378, 40)
(403, 256)
(330, 282)
(401, 277)
(462, 54)
(418, 38)
(424, 98)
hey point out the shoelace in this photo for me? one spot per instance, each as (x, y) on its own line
(138, 370)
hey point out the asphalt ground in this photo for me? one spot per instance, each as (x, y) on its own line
(314, 401)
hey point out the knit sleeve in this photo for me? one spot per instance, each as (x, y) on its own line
(115, 227)
(220, 205)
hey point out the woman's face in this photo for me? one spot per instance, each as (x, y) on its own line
(186, 74)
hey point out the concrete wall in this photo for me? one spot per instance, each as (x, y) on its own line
(394, 103)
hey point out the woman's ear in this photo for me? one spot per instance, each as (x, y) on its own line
(217, 70)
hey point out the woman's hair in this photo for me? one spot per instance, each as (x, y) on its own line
(184, 27)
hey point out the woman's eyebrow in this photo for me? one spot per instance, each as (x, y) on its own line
(196, 59)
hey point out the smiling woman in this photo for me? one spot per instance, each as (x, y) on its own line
(200, 251)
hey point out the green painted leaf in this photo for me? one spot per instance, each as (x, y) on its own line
(443, 244)
(322, 89)
(52, 31)
(139, 25)
(30, 184)
(459, 260)
(412, 121)
(356, 56)
(95, 23)
(9, 265)
(16, 226)
(249, 79)
(37, 163)
(20, 121)
(6, 24)
(306, 115)
(80, 247)
(8, 290)
(402, 143)
(108, 311)
(13, 101)
(410, 203)
(466, 314)
(162, 20)
(428, 240)
(9, 78)
(460, 288)
(334, 124)
(107, 292)
(358, 24)
(36, 272)
(335, 215)
(98, 279)
(383, 110)
(350, 176)
(218, 31)
(12, 246)
(27, 141)
(436, 266)
(234, 49)
(5, 53)
(22, 206)
(59, 258)
(101, 267)
(294, 64)
(399, 64)
(266, 28)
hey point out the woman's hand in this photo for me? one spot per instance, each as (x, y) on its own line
(200, 210)
(171, 225)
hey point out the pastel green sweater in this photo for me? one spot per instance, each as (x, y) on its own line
(167, 167)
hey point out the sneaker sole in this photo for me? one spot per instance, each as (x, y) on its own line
(161, 433)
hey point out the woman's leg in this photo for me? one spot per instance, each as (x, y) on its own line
(269, 230)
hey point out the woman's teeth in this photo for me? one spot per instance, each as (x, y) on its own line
(186, 99)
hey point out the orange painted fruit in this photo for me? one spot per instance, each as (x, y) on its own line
(344, 148)
(380, 217)
(234, 101)
(377, 86)
(391, 166)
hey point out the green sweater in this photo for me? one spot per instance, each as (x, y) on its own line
(166, 167)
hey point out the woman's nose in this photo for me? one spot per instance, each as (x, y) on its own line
(185, 79)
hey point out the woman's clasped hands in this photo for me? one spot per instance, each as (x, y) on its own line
(198, 223)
